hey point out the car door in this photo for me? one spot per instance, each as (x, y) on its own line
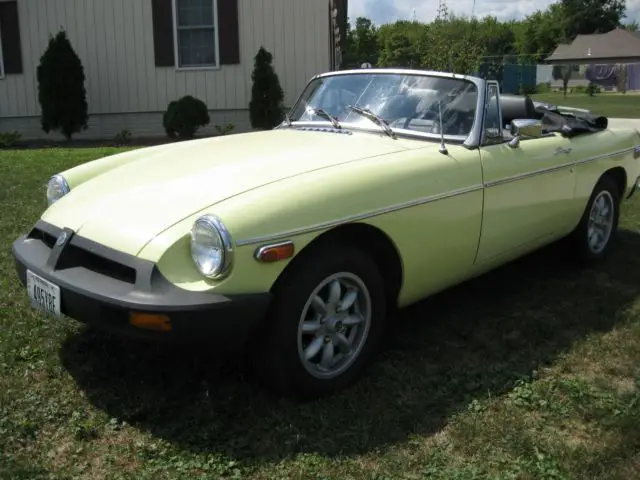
(528, 189)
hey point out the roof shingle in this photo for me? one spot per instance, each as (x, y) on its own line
(618, 43)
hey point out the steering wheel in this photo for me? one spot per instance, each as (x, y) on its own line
(426, 115)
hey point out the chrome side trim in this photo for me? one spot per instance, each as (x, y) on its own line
(421, 201)
(605, 155)
(357, 217)
(555, 168)
(523, 176)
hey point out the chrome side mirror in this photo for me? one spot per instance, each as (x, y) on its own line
(525, 127)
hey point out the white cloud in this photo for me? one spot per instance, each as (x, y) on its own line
(386, 11)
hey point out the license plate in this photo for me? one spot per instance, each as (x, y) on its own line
(44, 295)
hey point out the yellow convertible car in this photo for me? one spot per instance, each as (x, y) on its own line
(380, 188)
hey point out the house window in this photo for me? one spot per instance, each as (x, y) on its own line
(196, 27)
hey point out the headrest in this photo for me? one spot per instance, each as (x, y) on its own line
(516, 106)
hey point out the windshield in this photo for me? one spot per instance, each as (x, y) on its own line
(404, 101)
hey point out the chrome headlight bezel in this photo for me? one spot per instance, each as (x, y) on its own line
(215, 225)
(57, 187)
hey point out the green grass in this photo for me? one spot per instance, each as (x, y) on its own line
(611, 105)
(530, 372)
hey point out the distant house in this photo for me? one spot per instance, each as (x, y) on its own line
(139, 55)
(601, 52)
(616, 46)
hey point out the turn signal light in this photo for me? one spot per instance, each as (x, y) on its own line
(150, 321)
(274, 253)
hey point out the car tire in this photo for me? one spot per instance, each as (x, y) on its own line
(295, 325)
(593, 237)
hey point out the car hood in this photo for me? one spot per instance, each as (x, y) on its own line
(128, 206)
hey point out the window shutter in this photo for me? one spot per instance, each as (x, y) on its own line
(342, 7)
(10, 30)
(229, 32)
(163, 46)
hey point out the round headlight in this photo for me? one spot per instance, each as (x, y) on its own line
(211, 246)
(56, 189)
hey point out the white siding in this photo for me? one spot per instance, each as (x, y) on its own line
(141, 125)
(114, 39)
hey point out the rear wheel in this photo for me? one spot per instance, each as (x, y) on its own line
(324, 326)
(594, 235)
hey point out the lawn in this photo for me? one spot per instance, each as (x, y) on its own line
(613, 105)
(529, 372)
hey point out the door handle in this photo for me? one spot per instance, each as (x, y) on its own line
(561, 150)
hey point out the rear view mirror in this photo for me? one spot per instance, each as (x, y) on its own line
(525, 127)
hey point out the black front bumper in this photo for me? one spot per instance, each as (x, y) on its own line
(102, 287)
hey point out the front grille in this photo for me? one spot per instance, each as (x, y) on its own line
(75, 256)
(46, 238)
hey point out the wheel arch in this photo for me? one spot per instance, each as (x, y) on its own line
(369, 238)
(619, 176)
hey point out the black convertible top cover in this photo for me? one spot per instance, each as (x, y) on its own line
(569, 124)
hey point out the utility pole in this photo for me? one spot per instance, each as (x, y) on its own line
(443, 11)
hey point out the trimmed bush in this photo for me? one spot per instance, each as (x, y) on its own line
(265, 107)
(543, 87)
(592, 89)
(123, 137)
(184, 117)
(225, 129)
(9, 139)
(61, 91)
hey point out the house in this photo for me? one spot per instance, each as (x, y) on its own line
(602, 53)
(139, 55)
(616, 46)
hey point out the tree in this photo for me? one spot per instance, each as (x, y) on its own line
(361, 44)
(399, 51)
(563, 72)
(453, 46)
(540, 33)
(584, 17)
(497, 37)
(265, 107)
(61, 91)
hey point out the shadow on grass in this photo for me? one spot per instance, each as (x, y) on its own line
(473, 340)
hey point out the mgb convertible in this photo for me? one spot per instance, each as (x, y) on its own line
(381, 187)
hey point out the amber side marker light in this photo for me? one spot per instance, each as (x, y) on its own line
(150, 321)
(274, 253)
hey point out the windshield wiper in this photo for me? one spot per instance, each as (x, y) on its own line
(321, 113)
(378, 120)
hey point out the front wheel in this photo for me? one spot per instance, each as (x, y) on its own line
(592, 238)
(324, 326)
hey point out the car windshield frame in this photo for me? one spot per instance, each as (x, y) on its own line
(353, 121)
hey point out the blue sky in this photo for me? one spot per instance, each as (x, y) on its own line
(385, 11)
